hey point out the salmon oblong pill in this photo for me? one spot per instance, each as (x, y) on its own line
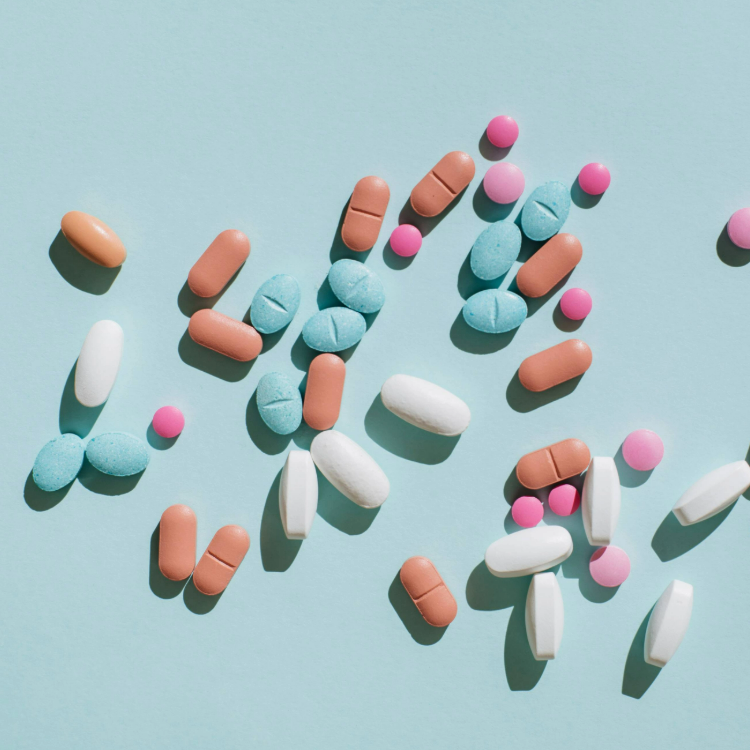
(435, 191)
(225, 335)
(553, 464)
(364, 216)
(428, 591)
(226, 551)
(325, 387)
(549, 265)
(555, 365)
(178, 530)
(93, 239)
(220, 261)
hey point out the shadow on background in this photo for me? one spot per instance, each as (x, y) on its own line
(78, 271)
(160, 585)
(276, 551)
(468, 284)
(197, 603)
(581, 198)
(491, 152)
(533, 304)
(522, 400)
(563, 322)
(408, 215)
(342, 513)
(486, 209)
(158, 442)
(105, 484)
(39, 500)
(729, 253)
(629, 477)
(672, 539)
(74, 416)
(189, 303)
(301, 354)
(394, 261)
(419, 630)
(638, 676)
(468, 339)
(212, 362)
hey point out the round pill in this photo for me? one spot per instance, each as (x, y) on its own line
(738, 228)
(576, 304)
(564, 500)
(643, 450)
(168, 422)
(594, 178)
(406, 240)
(504, 183)
(609, 566)
(502, 131)
(527, 511)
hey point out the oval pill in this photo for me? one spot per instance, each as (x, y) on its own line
(545, 616)
(428, 591)
(93, 239)
(549, 265)
(98, 363)
(495, 311)
(325, 388)
(279, 403)
(220, 261)
(600, 501)
(117, 454)
(553, 464)
(713, 493)
(437, 189)
(58, 463)
(220, 561)
(545, 211)
(365, 213)
(275, 303)
(555, 365)
(178, 531)
(528, 551)
(356, 286)
(225, 335)
(334, 329)
(495, 250)
(298, 494)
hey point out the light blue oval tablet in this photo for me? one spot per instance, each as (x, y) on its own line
(334, 329)
(117, 454)
(275, 303)
(545, 211)
(495, 250)
(356, 286)
(495, 311)
(58, 463)
(279, 403)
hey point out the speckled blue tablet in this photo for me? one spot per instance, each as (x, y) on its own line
(334, 329)
(495, 311)
(117, 454)
(495, 250)
(545, 211)
(279, 403)
(356, 286)
(275, 303)
(58, 463)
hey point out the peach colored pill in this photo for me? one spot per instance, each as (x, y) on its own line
(553, 464)
(225, 335)
(442, 184)
(226, 551)
(93, 239)
(549, 265)
(365, 213)
(555, 365)
(220, 261)
(325, 386)
(177, 534)
(428, 591)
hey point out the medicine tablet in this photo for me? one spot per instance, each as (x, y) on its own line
(504, 183)
(225, 335)
(545, 616)
(609, 566)
(324, 390)
(553, 464)
(117, 454)
(600, 501)
(298, 494)
(275, 303)
(495, 250)
(365, 213)
(406, 240)
(502, 131)
(356, 286)
(93, 239)
(643, 450)
(545, 211)
(575, 304)
(168, 422)
(58, 463)
(220, 561)
(98, 363)
(549, 265)
(428, 591)
(527, 511)
(713, 493)
(334, 329)
(555, 365)
(279, 403)
(494, 311)
(178, 531)
(438, 188)
(564, 500)
(528, 551)
(668, 623)
(594, 178)
(220, 261)
(738, 228)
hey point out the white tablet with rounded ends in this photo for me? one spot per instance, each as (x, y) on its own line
(713, 493)
(544, 616)
(425, 405)
(529, 551)
(600, 501)
(350, 469)
(298, 494)
(98, 363)
(668, 623)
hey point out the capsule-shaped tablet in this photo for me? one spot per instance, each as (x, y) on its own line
(93, 239)
(279, 403)
(668, 623)
(225, 335)
(220, 561)
(553, 464)
(178, 531)
(428, 591)
(298, 494)
(365, 213)
(325, 388)
(98, 363)
(555, 365)
(713, 493)
(437, 189)
(220, 261)
(549, 265)
(600, 501)
(528, 551)
(545, 616)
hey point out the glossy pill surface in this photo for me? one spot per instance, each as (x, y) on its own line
(494, 311)
(275, 303)
(428, 591)
(406, 240)
(549, 265)
(58, 463)
(334, 329)
(643, 450)
(594, 178)
(609, 566)
(117, 454)
(437, 189)
(502, 131)
(575, 304)
(545, 211)
(178, 530)
(225, 335)
(279, 403)
(220, 561)
(365, 213)
(93, 239)
(219, 262)
(527, 511)
(298, 494)
(738, 228)
(555, 365)
(504, 183)
(324, 391)
(553, 464)
(98, 363)
(495, 250)
(564, 500)
(528, 551)
(168, 422)
(356, 286)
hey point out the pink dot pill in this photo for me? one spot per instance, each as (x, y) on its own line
(527, 511)
(564, 500)
(642, 450)
(594, 178)
(575, 304)
(502, 131)
(609, 566)
(738, 228)
(168, 422)
(406, 240)
(504, 183)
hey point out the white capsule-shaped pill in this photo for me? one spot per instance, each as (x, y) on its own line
(713, 493)
(545, 616)
(600, 501)
(425, 405)
(528, 551)
(350, 469)
(668, 623)
(98, 363)
(298, 494)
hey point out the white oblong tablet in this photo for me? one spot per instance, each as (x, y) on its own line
(529, 551)
(545, 616)
(712, 493)
(350, 469)
(98, 363)
(600, 501)
(425, 405)
(668, 623)
(298, 494)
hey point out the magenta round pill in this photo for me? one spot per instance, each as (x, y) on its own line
(575, 304)
(168, 422)
(609, 566)
(504, 183)
(502, 131)
(406, 240)
(738, 228)
(643, 450)
(594, 178)
(564, 500)
(527, 511)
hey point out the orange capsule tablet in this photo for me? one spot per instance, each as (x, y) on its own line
(325, 387)
(220, 261)
(93, 239)
(177, 534)
(553, 464)
(226, 551)
(549, 265)
(225, 335)
(365, 213)
(428, 591)
(555, 365)
(442, 184)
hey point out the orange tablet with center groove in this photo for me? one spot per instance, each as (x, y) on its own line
(93, 239)
(177, 534)
(555, 365)
(220, 561)
(553, 464)
(225, 335)
(365, 213)
(325, 387)
(442, 184)
(428, 591)
(549, 265)
(220, 261)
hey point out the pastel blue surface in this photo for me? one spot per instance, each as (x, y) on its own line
(334, 329)
(117, 454)
(275, 303)
(58, 463)
(495, 311)
(279, 403)
(495, 250)
(545, 211)
(356, 286)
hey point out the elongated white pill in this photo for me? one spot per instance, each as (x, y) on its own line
(99, 362)
(298, 494)
(712, 493)
(668, 623)
(425, 405)
(529, 551)
(600, 502)
(545, 616)
(350, 469)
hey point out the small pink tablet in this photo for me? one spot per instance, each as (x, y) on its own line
(575, 304)
(168, 422)
(564, 500)
(609, 566)
(738, 228)
(502, 131)
(643, 450)
(504, 183)
(406, 240)
(594, 178)
(527, 511)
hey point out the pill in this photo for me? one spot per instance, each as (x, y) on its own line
(58, 463)
(406, 240)
(350, 469)
(220, 261)
(564, 499)
(334, 329)
(553, 464)
(594, 178)
(178, 531)
(502, 131)
(545, 211)
(504, 183)
(575, 304)
(600, 501)
(495, 250)
(738, 228)
(643, 450)
(275, 303)
(225, 335)
(494, 311)
(527, 511)
(220, 561)
(713, 493)
(168, 422)
(428, 591)
(365, 213)
(528, 551)
(549, 265)
(356, 286)
(324, 390)
(117, 454)
(279, 403)
(545, 616)
(668, 623)
(437, 189)
(298, 494)
(98, 363)
(93, 239)
(609, 566)
(555, 365)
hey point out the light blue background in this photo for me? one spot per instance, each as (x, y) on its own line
(174, 121)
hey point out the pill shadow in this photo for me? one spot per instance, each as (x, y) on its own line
(301, 354)
(468, 284)
(581, 198)
(522, 400)
(326, 298)
(189, 302)
(533, 304)
(39, 500)
(78, 271)
(563, 322)
(513, 489)
(197, 603)
(342, 513)
(421, 631)
(158, 442)
(212, 362)
(74, 416)
(672, 539)
(260, 433)
(729, 253)
(395, 261)
(491, 152)
(468, 339)
(528, 246)
(105, 484)
(269, 339)
(425, 224)
(160, 585)
(630, 477)
(486, 209)
(638, 676)
(277, 553)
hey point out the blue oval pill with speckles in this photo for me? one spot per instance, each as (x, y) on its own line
(279, 403)
(495, 311)
(275, 303)
(545, 211)
(495, 250)
(356, 286)
(117, 454)
(334, 329)
(58, 463)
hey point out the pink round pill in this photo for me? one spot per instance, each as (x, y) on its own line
(643, 450)
(609, 566)
(168, 422)
(738, 228)
(406, 240)
(594, 178)
(502, 131)
(575, 304)
(527, 511)
(504, 183)
(564, 500)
